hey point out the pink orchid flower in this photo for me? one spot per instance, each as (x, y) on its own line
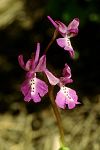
(32, 87)
(66, 31)
(66, 96)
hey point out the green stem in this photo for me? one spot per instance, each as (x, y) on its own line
(57, 115)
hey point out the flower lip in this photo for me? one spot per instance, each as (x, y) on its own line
(34, 89)
(66, 96)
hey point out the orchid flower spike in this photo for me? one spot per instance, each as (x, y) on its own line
(67, 32)
(66, 96)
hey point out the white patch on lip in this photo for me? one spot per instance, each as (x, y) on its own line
(68, 41)
(65, 91)
(32, 84)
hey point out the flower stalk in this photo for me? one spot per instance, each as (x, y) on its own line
(51, 96)
(57, 115)
(51, 41)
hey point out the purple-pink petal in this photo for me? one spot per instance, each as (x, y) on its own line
(36, 98)
(52, 79)
(34, 88)
(41, 66)
(36, 59)
(21, 62)
(71, 105)
(71, 98)
(72, 54)
(66, 71)
(65, 80)
(60, 100)
(73, 27)
(26, 90)
(38, 89)
(62, 28)
(28, 64)
(66, 44)
(27, 97)
(52, 21)
(41, 87)
(61, 42)
(25, 87)
(66, 75)
(73, 95)
(66, 96)
(73, 24)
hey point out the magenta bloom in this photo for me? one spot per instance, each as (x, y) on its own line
(66, 96)
(66, 31)
(32, 87)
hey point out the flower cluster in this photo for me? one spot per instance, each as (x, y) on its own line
(34, 88)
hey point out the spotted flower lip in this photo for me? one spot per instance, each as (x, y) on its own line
(66, 45)
(67, 32)
(34, 88)
(66, 96)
